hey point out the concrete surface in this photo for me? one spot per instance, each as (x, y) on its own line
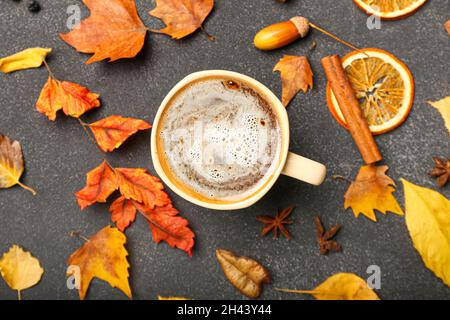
(58, 154)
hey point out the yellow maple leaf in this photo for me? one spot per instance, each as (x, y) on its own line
(372, 190)
(443, 106)
(104, 256)
(20, 269)
(341, 286)
(26, 59)
(428, 222)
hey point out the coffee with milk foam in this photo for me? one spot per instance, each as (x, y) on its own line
(220, 139)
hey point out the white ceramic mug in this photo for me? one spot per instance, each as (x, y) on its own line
(288, 163)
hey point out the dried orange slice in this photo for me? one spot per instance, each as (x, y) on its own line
(390, 9)
(384, 86)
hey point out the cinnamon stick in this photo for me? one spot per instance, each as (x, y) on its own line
(349, 105)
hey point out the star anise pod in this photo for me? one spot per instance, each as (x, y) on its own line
(276, 223)
(441, 171)
(324, 238)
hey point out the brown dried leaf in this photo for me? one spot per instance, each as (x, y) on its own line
(11, 164)
(245, 274)
(296, 74)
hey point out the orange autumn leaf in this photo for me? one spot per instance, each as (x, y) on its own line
(104, 256)
(165, 223)
(372, 190)
(111, 132)
(296, 75)
(49, 102)
(141, 192)
(72, 98)
(100, 183)
(113, 30)
(172, 229)
(182, 17)
(447, 27)
(123, 212)
(139, 185)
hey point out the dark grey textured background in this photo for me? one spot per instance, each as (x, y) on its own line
(58, 154)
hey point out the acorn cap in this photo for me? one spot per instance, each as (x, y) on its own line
(302, 25)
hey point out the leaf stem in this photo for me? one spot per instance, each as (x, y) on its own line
(78, 234)
(335, 296)
(336, 38)
(84, 125)
(19, 295)
(49, 70)
(210, 37)
(27, 188)
(296, 291)
(91, 139)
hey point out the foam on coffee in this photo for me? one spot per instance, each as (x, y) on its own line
(220, 139)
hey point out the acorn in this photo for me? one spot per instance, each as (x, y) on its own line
(281, 34)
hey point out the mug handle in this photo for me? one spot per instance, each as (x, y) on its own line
(304, 169)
